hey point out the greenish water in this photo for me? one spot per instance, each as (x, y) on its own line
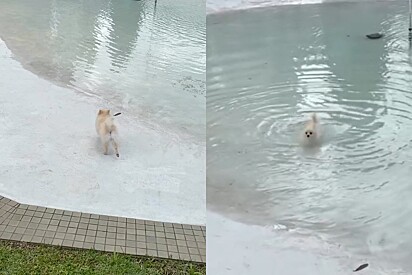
(61, 61)
(267, 70)
(140, 57)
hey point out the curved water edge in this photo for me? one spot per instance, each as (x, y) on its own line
(66, 59)
(48, 132)
(263, 250)
(262, 87)
(145, 59)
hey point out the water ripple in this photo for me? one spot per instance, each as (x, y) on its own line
(262, 86)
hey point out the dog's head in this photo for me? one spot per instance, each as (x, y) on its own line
(310, 133)
(103, 112)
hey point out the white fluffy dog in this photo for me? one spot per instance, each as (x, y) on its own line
(107, 130)
(312, 135)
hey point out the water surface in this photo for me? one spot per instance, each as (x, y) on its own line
(141, 57)
(267, 70)
(60, 62)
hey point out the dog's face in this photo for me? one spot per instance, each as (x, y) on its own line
(310, 132)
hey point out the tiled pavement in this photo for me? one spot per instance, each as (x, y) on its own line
(27, 223)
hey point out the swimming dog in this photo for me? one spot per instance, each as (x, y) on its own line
(311, 135)
(107, 130)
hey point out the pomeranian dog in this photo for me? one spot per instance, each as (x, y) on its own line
(107, 130)
(311, 135)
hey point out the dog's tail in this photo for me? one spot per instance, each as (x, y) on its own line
(314, 117)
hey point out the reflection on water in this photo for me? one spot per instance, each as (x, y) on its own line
(262, 87)
(148, 59)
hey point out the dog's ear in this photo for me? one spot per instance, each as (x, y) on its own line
(100, 111)
(108, 112)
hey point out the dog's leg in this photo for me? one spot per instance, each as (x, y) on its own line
(115, 146)
(105, 143)
(105, 147)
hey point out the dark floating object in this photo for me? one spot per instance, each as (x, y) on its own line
(117, 114)
(361, 267)
(374, 35)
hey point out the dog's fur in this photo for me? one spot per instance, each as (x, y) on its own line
(311, 135)
(107, 130)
